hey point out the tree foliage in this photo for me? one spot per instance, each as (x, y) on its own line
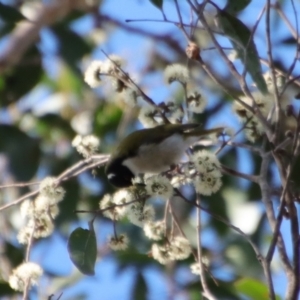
(67, 97)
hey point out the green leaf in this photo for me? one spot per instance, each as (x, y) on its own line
(253, 289)
(235, 6)
(132, 257)
(23, 152)
(70, 202)
(290, 40)
(6, 290)
(157, 3)
(240, 255)
(140, 289)
(107, 117)
(9, 17)
(240, 37)
(14, 254)
(72, 47)
(224, 289)
(19, 80)
(9, 14)
(82, 248)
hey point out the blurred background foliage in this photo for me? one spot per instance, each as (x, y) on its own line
(44, 103)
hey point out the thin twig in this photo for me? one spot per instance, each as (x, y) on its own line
(266, 199)
(70, 172)
(19, 184)
(224, 221)
(273, 75)
(206, 291)
(236, 173)
(26, 289)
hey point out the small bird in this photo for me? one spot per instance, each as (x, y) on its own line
(152, 150)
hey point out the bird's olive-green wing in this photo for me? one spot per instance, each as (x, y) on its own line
(130, 145)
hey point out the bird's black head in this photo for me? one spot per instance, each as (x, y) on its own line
(118, 175)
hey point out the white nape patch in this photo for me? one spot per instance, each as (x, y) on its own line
(157, 158)
(111, 175)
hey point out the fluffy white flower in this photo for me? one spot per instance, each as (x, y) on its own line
(49, 189)
(280, 81)
(174, 112)
(38, 228)
(233, 55)
(122, 197)
(115, 213)
(27, 208)
(159, 186)
(92, 73)
(86, 145)
(206, 184)
(179, 248)
(206, 162)
(25, 234)
(155, 230)
(176, 72)
(229, 131)
(184, 177)
(118, 243)
(27, 272)
(196, 103)
(43, 226)
(195, 268)
(161, 253)
(119, 198)
(139, 214)
(112, 64)
(147, 116)
(130, 96)
(42, 205)
(254, 130)
(265, 104)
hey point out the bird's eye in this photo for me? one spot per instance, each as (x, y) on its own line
(111, 175)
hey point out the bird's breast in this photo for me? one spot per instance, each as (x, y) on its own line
(157, 158)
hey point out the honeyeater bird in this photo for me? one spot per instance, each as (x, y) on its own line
(152, 150)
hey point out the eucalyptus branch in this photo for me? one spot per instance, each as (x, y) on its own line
(67, 174)
(207, 293)
(28, 249)
(246, 146)
(99, 211)
(273, 75)
(251, 39)
(19, 184)
(293, 31)
(26, 32)
(30, 241)
(142, 93)
(26, 289)
(296, 58)
(260, 257)
(291, 78)
(255, 111)
(236, 173)
(180, 18)
(225, 143)
(266, 199)
(241, 80)
(287, 201)
(19, 200)
(224, 221)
